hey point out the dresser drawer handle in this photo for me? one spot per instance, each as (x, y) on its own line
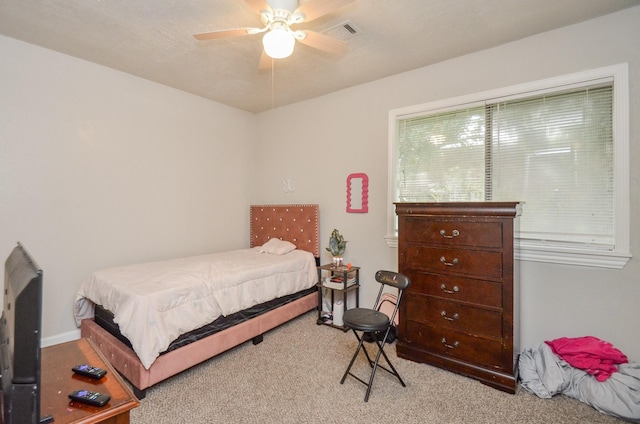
(454, 233)
(449, 346)
(444, 289)
(452, 263)
(455, 316)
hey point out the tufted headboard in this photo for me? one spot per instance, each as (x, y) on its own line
(298, 224)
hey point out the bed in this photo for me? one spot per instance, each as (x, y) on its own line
(110, 321)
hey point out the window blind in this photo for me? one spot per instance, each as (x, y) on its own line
(440, 158)
(554, 152)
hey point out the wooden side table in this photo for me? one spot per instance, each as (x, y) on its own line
(57, 381)
(347, 281)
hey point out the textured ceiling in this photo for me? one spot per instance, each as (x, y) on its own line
(153, 40)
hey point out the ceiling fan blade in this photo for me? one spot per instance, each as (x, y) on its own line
(226, 33)
(325, 43)
(315, 9)
(258, 5)
(265, 62)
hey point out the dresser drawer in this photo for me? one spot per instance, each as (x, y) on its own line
(483, 264)
(454, 315)
(481, 292)
(455, 344)
(452, 232)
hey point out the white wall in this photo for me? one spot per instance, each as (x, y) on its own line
(99, 168)
(321, 141)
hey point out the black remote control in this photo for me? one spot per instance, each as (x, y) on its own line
(89, 397)
(89, 371)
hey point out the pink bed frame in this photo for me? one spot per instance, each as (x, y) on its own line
(296, 223)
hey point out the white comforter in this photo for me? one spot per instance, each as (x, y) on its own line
(154, 303)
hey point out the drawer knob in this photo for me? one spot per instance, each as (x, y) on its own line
(452, 263)
(454, 233)
(455, 316)
(444, 289)
(449, 346)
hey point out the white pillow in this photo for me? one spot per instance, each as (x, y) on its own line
(277, 247)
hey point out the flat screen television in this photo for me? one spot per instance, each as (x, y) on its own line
(20, 333)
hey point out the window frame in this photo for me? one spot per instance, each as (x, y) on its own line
(527, 249)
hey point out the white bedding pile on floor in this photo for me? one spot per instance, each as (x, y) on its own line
(544, 373)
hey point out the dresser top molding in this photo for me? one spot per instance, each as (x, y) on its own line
(497, 209)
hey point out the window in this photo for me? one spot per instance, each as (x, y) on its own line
(559, 146)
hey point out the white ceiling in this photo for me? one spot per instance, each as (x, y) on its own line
(153, 39)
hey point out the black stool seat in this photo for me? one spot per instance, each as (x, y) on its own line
(367, 320)
(373, 321)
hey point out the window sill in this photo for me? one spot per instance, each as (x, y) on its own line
(591, 258)
(597, 259)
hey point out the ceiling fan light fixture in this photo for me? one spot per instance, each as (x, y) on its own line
(278, 43)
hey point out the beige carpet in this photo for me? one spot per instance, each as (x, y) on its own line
(293, 376)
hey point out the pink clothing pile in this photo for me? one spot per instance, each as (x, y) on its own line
(596, 357)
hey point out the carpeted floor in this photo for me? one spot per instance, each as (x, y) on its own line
(294, 375)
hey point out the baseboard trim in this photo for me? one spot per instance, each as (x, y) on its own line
(60, 338)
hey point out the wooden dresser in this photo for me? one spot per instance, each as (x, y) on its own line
(461, 310)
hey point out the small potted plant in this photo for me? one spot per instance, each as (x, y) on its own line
(337, 245)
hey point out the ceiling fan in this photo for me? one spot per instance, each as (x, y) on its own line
(279, 38)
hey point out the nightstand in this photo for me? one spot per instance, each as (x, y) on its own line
(334, 285)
